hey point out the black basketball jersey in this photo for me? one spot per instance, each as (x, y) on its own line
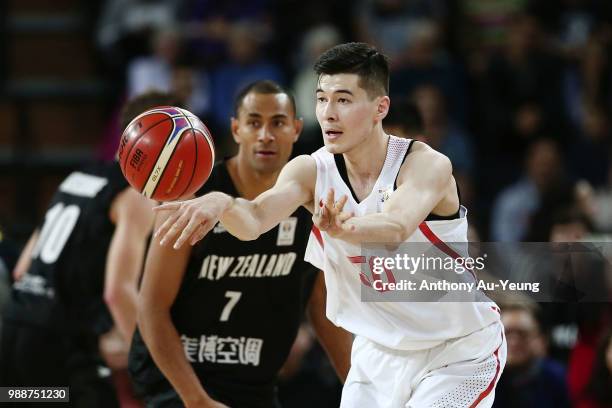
(239, 307)
(63, 287)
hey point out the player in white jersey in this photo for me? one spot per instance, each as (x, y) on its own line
(405, 354)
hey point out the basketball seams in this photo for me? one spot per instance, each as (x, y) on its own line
(205, 132)
(179, 137)
(178, 140)
(165, 154)
(195, 165)
(158, 155)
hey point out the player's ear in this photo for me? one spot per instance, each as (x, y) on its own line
(234, 126)
(382, 107)
(298, 123)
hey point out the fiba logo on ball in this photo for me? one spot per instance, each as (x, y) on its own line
(137, 159)
(166, 153)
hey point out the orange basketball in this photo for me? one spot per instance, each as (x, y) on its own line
(166, 153)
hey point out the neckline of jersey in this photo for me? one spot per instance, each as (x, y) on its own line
(342, 170)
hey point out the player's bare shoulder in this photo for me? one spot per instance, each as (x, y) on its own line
(427, 164)
(301, 170)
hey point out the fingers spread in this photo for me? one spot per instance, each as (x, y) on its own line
(340, 204)
(194, 223)
(330, 197)
(176, 228)
(342, 217)
(162, 231)
(199, 233)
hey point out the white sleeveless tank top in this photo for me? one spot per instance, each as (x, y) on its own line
(396, 325)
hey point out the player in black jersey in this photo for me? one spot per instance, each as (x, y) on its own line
(82, 263)
(219, 319)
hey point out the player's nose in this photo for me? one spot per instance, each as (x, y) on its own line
(329, 112)
(265, 135)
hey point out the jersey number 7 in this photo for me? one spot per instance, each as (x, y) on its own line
(234, 297)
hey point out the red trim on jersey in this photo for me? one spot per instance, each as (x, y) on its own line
(318, 236)
(491, 386)
(357, 259)
(441, 245)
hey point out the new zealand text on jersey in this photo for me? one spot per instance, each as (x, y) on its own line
(251, 266)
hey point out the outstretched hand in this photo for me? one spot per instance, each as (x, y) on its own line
(189, 220)
(330, 217)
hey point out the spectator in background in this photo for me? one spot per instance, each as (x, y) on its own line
(124, 25)
(425, 62)
(446, 136)
(154, 72)
(391, 25)
(209, 25)
(487, 24)
(530, 380)
(246, 64)
(602, 210)
(590, 150)
(598, 392)
(164, 71)
(442, 133)
(316, 40)
(568, 314)
(404, 120)
(191, 85)
(522, 97)
(515, 205)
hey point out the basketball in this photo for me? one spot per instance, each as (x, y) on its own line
(166, 153)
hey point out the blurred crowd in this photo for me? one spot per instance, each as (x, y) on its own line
(517, 93)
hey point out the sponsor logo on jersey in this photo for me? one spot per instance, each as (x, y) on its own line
(223, 350)
(250, 266)
(286, 232)
(34, 285)
(385, 193)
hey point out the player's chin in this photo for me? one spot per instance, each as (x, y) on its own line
(334, 148)
(268, 166)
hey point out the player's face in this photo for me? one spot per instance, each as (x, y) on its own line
(345, 112)
(266, 129)
(522, 336)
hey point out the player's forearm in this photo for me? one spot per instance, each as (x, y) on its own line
(240, 219)
(336, 341)
(380, 227)
(165, 346)
(123, 267)
(122, 305)
(337, 344)
(23, 263)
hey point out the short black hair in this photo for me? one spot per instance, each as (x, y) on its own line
(362, 59)
(144, 102)
(404, 113)
(265, 87)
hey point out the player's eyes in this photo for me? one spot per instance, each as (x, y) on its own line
(279, 123)
(321, 99)
(254, 124)
(343, 100)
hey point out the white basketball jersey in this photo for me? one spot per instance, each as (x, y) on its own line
(397, 325)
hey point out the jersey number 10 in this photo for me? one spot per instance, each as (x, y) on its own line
(59, 223)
